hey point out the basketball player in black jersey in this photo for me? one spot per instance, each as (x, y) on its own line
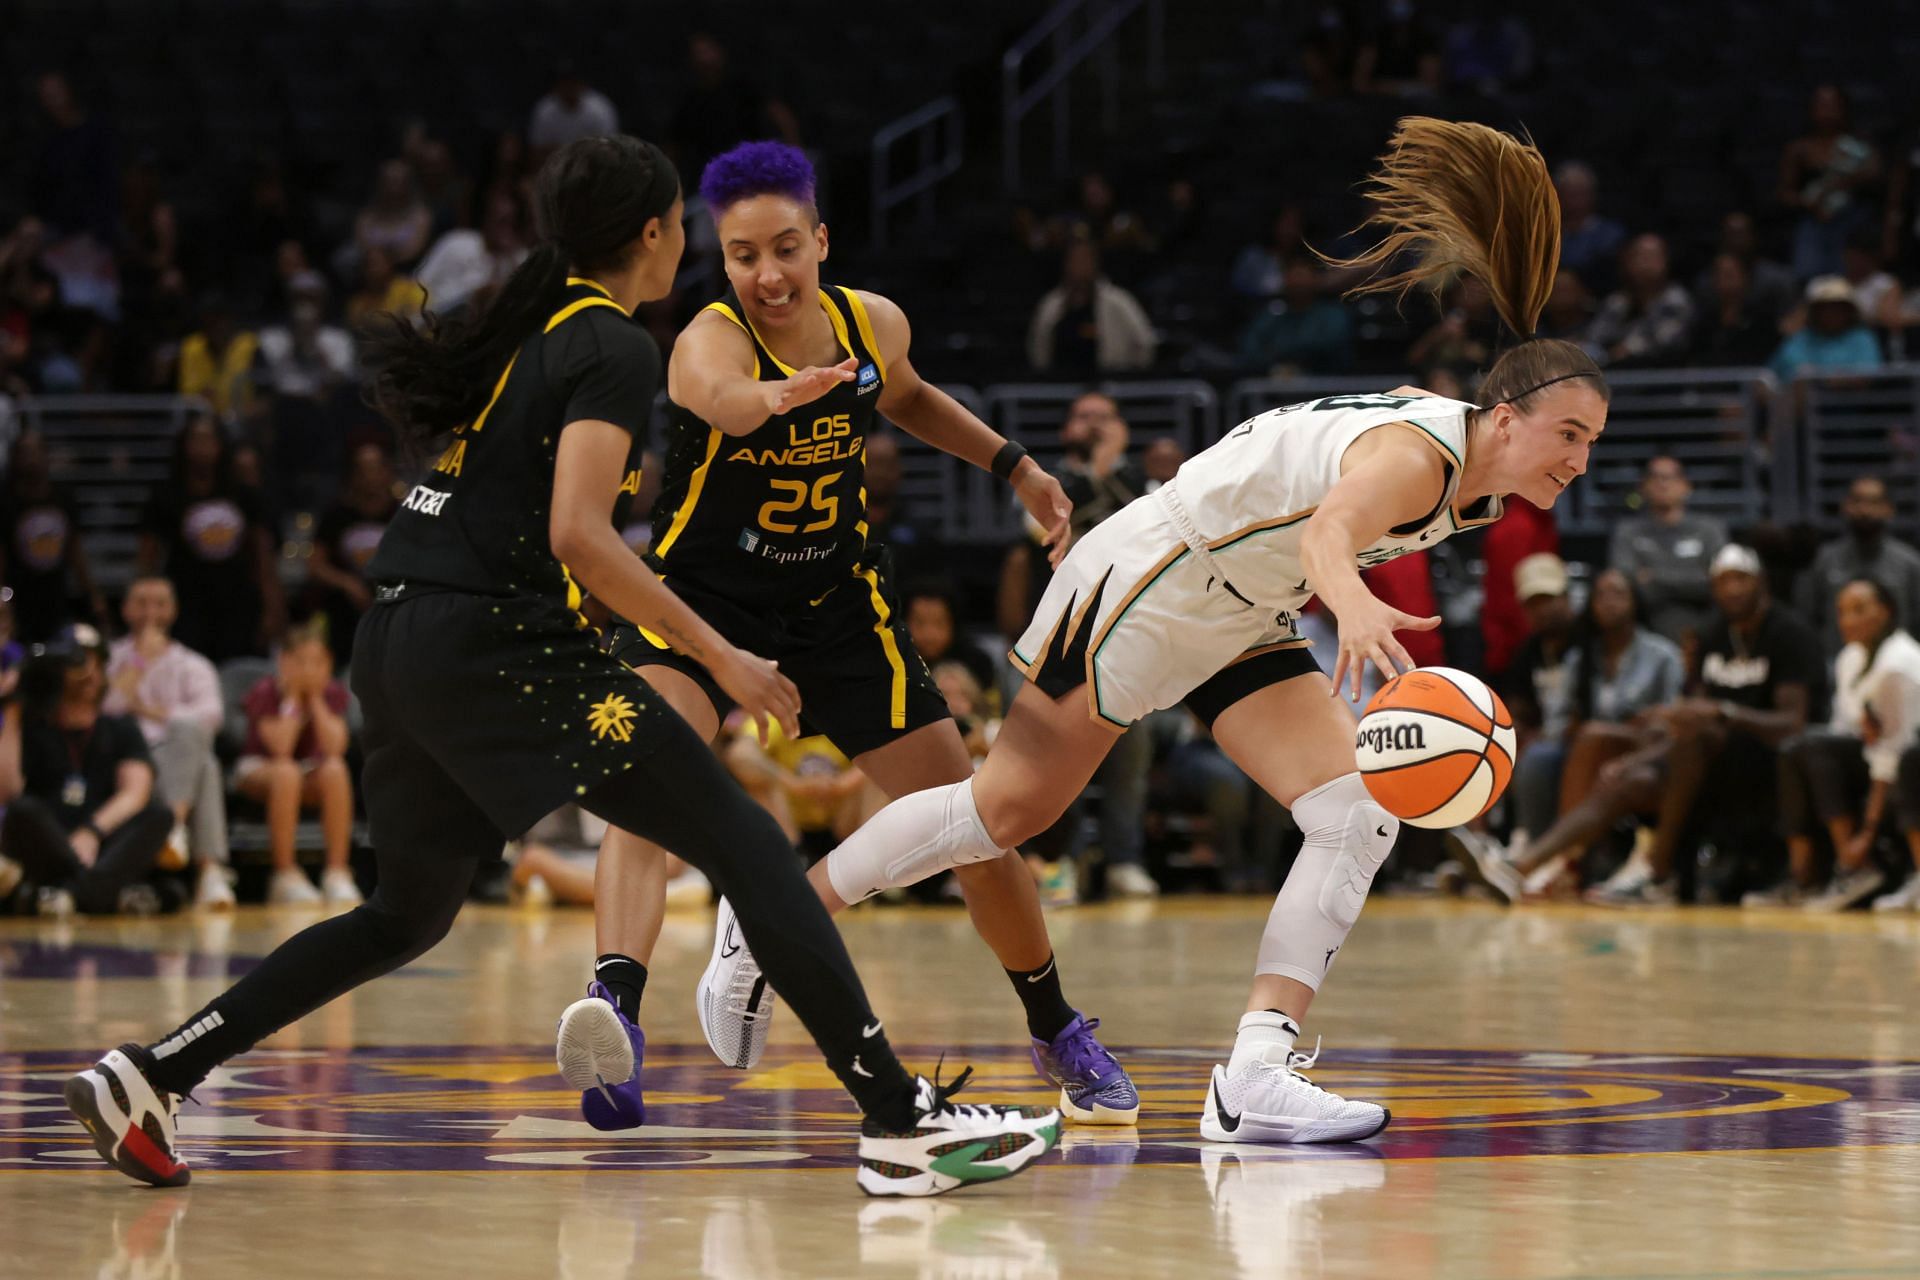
(488, 703)
(760, 526)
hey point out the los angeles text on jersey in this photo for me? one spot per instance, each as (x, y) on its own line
(828, 439)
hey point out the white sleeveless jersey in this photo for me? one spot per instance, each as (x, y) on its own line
(1188, 581)
(1249, 495)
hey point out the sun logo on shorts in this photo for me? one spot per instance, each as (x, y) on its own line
(612, 717)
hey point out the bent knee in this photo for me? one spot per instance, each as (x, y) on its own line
(1013, 820)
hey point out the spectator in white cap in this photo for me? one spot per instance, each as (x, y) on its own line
(1760, 679)
(1616, 669)
(1833, 336)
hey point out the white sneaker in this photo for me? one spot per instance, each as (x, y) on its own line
(952, 1144)
(214, 891)
(689, 889)
(1540, 881)
(291, 888)
(1500, 875)
(1130, 880)
(338, 888)
(1633, 884)
(175, 855)
(1905, 898)
(1787, 893)
(1847, 889)
(1271, 1102)
(54, 904)
(734, 998)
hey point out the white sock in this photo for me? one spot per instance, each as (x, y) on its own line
(1265, 1036)
(914, 837)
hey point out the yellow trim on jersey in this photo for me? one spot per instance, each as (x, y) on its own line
(838, 322)
(884, 630)
(494, 399)
(584, 283)
(826, 305)
(694, 486)
(572, 308)
(575, 598)
(727, 311)
(865, 322)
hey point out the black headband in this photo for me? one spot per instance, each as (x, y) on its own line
(1540, 386)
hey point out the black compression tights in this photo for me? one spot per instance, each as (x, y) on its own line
(677, 796)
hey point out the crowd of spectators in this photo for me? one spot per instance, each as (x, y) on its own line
(1650, 684)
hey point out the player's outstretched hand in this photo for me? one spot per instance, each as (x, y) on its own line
(1049, 506)
(806, 386)
(761, 691)
(1366, 635)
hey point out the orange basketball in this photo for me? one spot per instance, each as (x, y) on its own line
(1436, 747)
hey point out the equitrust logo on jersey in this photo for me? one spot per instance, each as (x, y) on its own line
(868, 379)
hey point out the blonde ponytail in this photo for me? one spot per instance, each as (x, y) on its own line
(1464, 198)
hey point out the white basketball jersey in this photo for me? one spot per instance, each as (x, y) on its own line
(1250, 494)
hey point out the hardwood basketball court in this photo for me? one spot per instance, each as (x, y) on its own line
(1575, 1094)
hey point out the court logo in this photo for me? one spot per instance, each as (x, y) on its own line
(612, 717)
(448, 1108)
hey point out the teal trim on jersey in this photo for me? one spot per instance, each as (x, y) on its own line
(1093, 661)
(1458, 459)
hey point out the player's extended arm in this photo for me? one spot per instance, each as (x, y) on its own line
(1388, 478)
(712, 376)
(927, 413)
(587, 473)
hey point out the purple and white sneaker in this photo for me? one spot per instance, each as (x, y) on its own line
(1094, 1088)
(599, 1053)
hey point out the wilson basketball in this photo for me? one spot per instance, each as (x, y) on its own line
(1436, 747)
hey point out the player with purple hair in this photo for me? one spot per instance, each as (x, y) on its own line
(760, 527)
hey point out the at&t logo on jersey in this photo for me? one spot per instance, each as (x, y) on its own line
(427, 502)
(866, 380)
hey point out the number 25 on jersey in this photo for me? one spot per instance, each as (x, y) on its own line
(792, 495)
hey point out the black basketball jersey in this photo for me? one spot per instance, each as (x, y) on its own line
(776, 516)
(479, 520)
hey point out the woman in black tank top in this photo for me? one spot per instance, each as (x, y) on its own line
(488, 704)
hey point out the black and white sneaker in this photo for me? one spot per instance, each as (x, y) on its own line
(129, 1119)
(952, 1144)
(1274, 1102)
(734, 998)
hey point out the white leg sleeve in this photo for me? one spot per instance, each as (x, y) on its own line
(1348, 836)
(909, 840)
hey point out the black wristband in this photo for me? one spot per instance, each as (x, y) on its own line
(1009, 457)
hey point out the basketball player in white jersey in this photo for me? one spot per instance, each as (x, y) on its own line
(1191, 594)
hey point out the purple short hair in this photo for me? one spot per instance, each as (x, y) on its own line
(757, 169)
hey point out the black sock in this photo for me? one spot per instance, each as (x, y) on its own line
(626, 978)
(1048, 1012)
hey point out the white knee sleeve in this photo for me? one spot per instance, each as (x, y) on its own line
(909, 840)
(1348, 836)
